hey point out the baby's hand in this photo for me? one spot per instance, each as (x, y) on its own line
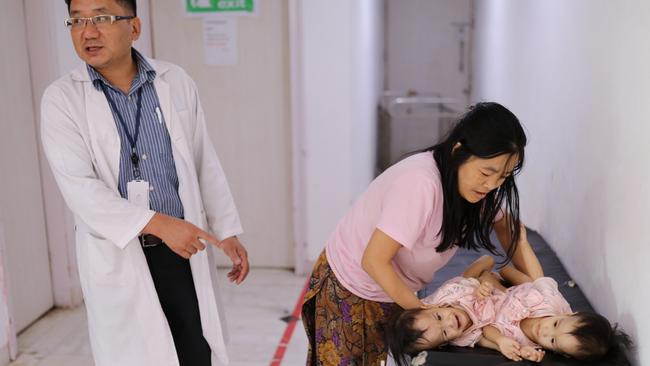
(509, 348)
(532, 353)
(484, 290)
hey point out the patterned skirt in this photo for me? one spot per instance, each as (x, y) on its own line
(343, 329)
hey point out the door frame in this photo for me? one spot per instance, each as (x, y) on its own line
(299, 211)
(8, 351)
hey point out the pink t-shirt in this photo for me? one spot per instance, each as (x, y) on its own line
(461, 292)
(406, 203)
(536, 299)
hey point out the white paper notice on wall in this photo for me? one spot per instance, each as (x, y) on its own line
(220, 40)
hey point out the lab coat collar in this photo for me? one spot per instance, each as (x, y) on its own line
(81, 72)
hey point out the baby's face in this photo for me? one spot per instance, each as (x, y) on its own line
(440, 326)
(554, 334)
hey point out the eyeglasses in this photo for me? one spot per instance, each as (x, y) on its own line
(97, 20)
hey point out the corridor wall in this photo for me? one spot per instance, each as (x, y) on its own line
(576, 74)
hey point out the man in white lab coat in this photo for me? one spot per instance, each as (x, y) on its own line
(127, 142)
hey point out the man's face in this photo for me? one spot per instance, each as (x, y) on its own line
(106, 45)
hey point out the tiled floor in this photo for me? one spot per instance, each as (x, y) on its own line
(253, 310)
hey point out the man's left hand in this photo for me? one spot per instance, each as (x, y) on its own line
(239, 257)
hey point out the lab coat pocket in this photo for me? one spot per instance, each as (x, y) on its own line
(109, 265)
(181, 132)
(183, 115)
(183, 119)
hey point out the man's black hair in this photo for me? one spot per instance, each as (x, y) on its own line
(128, 5)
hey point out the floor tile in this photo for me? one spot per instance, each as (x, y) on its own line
(253, 311)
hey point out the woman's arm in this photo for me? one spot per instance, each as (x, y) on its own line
(377, 262)
(524, 258)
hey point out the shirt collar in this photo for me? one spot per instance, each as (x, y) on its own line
(146, 73)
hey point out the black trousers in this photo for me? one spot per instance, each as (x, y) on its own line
(174, 284)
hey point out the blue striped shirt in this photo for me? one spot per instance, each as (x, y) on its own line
(154, 144)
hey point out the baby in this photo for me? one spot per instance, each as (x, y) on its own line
(518, 321)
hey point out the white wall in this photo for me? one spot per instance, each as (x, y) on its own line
(337, 75)
(576, 74)
(20, 188)
(367, 87)
(52, 55)
(423, 52)
(248, 117)
(7, 329)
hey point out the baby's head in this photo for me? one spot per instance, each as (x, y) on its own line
(415, 330)
(584, 336)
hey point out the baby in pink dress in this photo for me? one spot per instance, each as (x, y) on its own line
(536, 299)
(473, 310)
(454, 314)
(534, 317)
(518, 321)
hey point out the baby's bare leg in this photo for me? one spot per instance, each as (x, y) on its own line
(484, 263)
(490, 277)
(514, 276)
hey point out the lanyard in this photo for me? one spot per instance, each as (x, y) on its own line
(132, 140)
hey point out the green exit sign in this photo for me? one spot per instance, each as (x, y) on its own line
(198, 7)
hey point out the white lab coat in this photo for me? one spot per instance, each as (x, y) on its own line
(80, 139)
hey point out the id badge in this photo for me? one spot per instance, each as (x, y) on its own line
(137, 192)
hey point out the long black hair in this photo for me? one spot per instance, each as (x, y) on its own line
(486, 131)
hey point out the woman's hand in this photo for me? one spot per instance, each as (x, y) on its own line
(509, 348)
(531, 353)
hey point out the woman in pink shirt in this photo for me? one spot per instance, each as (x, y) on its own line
(407, 225)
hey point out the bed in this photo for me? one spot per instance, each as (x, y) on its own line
(456, 356)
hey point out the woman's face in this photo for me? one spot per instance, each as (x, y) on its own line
(477, 176)
(440, 326)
